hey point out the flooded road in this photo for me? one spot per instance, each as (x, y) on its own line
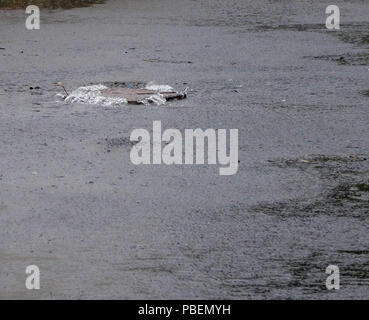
(72, 203)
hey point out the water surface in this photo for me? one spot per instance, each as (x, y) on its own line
(72, 203)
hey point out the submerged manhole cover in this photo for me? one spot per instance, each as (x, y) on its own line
(138, 96)
(112, 94)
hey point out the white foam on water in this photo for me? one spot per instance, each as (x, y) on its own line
(92, 95)
(158, 99)
(158, 87)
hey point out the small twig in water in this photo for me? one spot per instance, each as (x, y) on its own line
(59, 84)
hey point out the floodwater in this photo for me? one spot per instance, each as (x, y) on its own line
(97, 226)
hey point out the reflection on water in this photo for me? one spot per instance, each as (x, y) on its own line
(51, 4)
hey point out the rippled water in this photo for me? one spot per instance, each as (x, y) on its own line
(100, 227)
(50, 4)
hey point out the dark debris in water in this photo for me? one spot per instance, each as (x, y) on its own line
(117, 142)
(357, 59)
(356, 273)
(356, 252)
(317, 160)
(290, 27)
(354, 33)
(50, 4)
(157, 60)
(357, 34)
(365, 93)
(343, 200)
(308, 275)
(350, 192)
(346, 193)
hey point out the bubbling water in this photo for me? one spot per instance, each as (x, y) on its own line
(93, 95)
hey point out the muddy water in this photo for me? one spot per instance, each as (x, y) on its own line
(72, 203)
